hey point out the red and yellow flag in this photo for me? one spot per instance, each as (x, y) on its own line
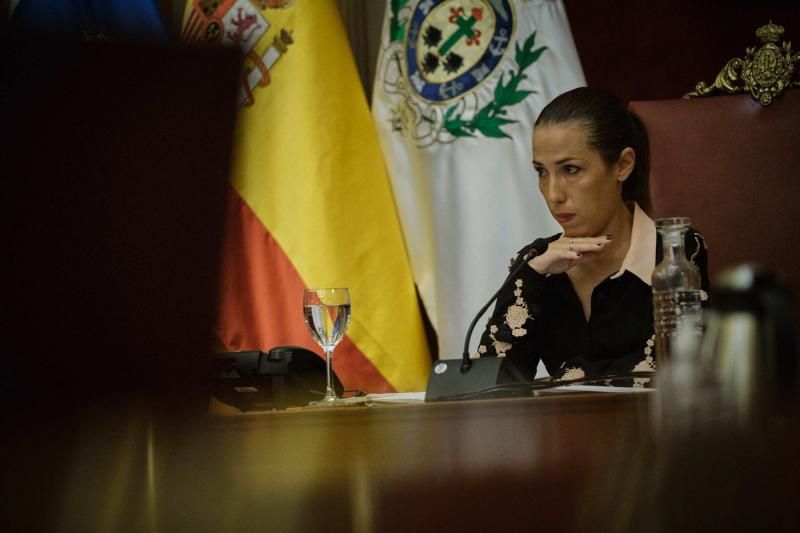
(311, 204)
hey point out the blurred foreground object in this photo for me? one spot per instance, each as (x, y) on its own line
(751, 344)
(722, 453)
(115, 159)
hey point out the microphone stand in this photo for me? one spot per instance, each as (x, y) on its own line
(483, 373)
(466, 362)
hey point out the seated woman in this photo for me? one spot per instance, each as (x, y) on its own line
(584, 306)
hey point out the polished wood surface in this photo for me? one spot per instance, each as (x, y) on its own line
(572, 462)
(472, 466)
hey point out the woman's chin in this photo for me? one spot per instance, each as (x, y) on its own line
(576, 232)
(571, 231)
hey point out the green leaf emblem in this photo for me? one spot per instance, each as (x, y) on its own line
(488, 121)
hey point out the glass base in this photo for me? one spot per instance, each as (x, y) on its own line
(329, 401)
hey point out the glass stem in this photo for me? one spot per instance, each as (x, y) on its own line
(329, 392)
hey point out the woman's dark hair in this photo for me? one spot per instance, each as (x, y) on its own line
(612, 128)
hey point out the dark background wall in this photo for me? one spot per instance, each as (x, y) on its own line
(658, 49)
(640, 49)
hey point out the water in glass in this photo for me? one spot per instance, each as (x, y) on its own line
(327, 315)
(327, 323)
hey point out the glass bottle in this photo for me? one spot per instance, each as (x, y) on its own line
(677, 294)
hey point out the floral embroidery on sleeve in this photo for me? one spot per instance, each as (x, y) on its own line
(648, 364)
(500, 347)
(643, 362)
(515, 317)
(517, 313)
(571, 373)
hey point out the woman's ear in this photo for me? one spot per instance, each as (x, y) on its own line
(625, 163)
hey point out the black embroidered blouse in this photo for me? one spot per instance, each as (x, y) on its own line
(540, 317)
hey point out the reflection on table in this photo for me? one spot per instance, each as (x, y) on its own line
(559, 462)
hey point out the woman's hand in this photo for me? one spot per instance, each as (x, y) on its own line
(566, 252)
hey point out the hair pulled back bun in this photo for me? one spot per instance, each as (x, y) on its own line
(611, 128)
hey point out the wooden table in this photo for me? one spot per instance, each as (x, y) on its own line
(463, 466)
(527, 464)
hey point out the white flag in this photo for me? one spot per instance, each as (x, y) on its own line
(458, 86)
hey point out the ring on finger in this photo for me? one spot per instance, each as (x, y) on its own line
(571, 246)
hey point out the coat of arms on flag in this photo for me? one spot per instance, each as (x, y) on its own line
(246, 24)
(439, 53)
(458, 86)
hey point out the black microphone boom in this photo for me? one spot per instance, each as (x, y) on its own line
(477, 374)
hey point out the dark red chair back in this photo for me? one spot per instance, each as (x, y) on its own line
(733, 166)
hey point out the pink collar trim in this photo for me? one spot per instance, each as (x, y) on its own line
(641, 257)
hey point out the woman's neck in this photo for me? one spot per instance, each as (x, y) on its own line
(619, 227)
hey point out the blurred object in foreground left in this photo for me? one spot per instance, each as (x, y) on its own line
(116, 159)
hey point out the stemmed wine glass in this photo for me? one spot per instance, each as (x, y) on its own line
(327, 315)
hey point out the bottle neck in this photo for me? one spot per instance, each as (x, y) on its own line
(672, 242)
(674, 248)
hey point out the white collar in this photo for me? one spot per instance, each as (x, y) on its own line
(641, 257)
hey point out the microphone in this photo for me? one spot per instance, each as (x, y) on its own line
(537, 247)
(478, 374)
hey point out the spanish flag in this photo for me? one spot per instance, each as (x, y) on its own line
(310, 200)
